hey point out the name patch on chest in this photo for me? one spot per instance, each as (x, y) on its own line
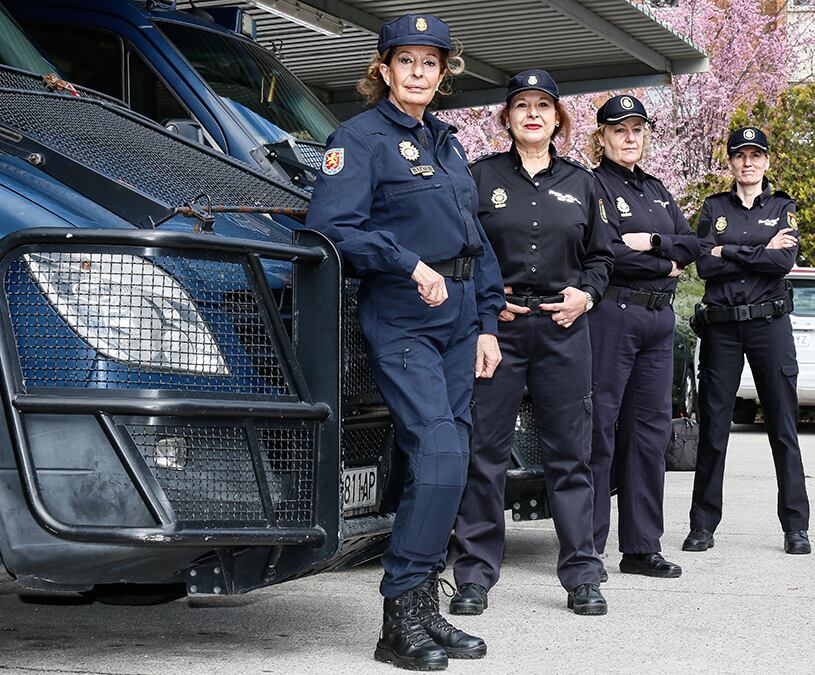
(769, 222)
(422, 170)
(499, 198)
(623, 208)
(569, 199)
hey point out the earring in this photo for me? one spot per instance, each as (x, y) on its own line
(387, 83)
(507, 126)
(557, 124)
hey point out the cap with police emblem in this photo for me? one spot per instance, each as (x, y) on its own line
(747, 136)
(532, 80)
(414, 29)
(618, 108)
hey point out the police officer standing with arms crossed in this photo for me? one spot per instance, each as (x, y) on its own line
(750, 240)
(632, 337)
(542, 216)
(396, 196)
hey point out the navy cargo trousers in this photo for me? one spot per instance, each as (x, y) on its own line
(632, 353)
(555, 364)
(423, 361)
(768, 345)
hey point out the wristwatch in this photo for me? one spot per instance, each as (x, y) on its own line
(656, 240)
(589, 300)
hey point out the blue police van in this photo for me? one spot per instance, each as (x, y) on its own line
(170, 358)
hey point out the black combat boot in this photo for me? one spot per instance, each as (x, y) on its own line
(404, 641)
(457, 643)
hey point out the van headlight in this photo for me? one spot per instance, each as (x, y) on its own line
(128, 309)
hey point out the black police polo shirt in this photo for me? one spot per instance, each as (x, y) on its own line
(639, 202)
(546, 229)
(748, 272)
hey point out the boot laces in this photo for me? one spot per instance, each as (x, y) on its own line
(428, 606)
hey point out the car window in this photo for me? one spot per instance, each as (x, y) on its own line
(804, 290)
(148, 95)
(16, 50)
(86, 56)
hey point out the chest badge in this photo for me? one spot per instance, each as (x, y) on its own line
(721, 224)
(409, 151)
(623, 208)
(499, 198)
(333, 161)
(769, 222)
(792, 221)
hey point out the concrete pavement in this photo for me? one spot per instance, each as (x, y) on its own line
(744, 606)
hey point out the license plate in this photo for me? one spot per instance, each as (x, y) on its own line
(801, 339)
(358, 489)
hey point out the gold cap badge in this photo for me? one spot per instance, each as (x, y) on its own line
(421, 24)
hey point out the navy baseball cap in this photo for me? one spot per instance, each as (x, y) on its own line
(532, 80)
(621, 107)
(414, 29)
(741, 138)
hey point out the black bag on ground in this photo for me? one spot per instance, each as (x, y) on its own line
(680, 454)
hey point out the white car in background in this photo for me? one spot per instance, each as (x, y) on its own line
(803, 331)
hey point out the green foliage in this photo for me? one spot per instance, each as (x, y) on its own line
(689, 291)
(790, 125)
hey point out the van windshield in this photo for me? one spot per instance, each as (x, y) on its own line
(270, 101)
(17, 51)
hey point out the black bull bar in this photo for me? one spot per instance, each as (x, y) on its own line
(271, 408)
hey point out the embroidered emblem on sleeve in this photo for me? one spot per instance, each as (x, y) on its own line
(602, 206)
(333, 161)
(792, 221)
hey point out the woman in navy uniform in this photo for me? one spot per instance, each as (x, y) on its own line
(396, 196)
(542, 215)
(750, 239)
(632, 337)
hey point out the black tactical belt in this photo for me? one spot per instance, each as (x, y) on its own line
(649, 299)
(765, 310)
(532, 301)
(458, 269)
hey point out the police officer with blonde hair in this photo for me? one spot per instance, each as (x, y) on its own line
(397, 198)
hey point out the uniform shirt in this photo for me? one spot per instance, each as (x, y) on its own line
(387, 201)
(638, 202)
(748, 272)
(545, 229)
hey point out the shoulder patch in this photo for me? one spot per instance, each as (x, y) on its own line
(489, 155)
(574, 162)
(333, 161)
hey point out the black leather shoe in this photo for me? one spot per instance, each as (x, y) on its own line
(587, 599)
(649, 564)
(404, 642)
(603, 575)
(469, 599)
(797, 542)
(456, 643)
(698, 540)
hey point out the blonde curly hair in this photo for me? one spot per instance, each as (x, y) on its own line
(596, 150)
(373, 89)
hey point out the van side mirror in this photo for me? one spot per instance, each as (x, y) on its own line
(186, 128)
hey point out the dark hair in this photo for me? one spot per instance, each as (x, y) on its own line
(373, 87)
(564, 129)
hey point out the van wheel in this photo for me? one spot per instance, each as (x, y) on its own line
(745, 411)
(136, 594)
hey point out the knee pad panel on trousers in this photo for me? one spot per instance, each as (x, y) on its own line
(441, 459)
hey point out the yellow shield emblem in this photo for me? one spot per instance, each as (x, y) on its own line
(792, 221)
(421, 24)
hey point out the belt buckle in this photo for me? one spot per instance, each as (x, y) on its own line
(458, 267)
(652, 301)
(742, 312)
(467, 268)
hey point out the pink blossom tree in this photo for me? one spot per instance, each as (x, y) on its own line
(752, 51)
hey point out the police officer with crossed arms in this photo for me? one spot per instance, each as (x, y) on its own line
(749, 238)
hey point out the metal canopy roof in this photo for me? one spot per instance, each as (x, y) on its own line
(587, 45)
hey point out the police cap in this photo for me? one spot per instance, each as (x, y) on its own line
(621, 107)
(532, 80)
(414, 29)
(741, 138)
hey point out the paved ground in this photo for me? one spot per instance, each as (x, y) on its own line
(744, 606)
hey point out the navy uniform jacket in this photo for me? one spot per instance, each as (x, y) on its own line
(639, 202)
(389, 196)
(748, 272)
(545, 229)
